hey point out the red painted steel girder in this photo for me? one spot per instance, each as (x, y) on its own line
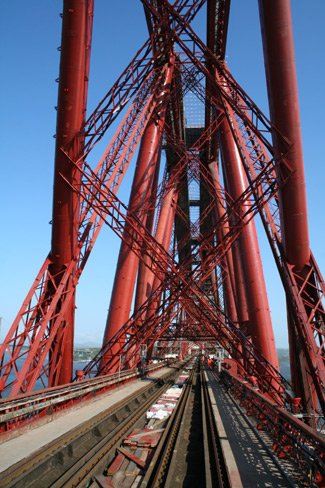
(302, 290)
(290, 434)
(234, 268)
(127, 265)
(305, 294)
(259, 325)
(145, 277)
(163, 235)
(277, 36)
(227, 263)
(148, 157)
(71, 111)
(141, 191)
(38, 321)
(282, 87)
(309, 328)
(217, 29)
(159, 264)
(217, 26)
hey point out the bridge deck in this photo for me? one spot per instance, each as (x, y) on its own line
(31, 441)
(249, 458)
(249, 461)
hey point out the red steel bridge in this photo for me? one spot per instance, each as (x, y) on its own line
(189, 267)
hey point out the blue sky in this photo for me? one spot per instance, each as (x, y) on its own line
(30, 35)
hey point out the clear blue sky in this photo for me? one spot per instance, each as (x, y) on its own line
(30, 35)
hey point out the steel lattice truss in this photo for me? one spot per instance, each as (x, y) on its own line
(192, 282)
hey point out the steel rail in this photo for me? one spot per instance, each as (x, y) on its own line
(80, 453)
(158, 467)
(163, 466)
(216, 469)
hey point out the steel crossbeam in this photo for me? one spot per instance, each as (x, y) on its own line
(41, 318)
(37, 325)
(306, 295)
(194, 294)
(114, 214)
(308, 317)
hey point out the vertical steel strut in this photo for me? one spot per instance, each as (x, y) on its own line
(277, 36)
(193, 290)
(259, 325)
(33, 337)
(148, 158)
(71, 113)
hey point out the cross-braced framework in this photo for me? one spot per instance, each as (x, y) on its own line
(189, 257)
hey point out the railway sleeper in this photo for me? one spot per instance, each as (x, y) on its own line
(52, 465)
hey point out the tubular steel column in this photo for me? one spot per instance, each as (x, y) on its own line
(233, 287)
(145, 275)
(275, 17)
(227, 262)
(122, 293)
(279, 58)
(74, 65)
(238, 279)
(126, 271)
(164, 231)
(163, 236)
(241, 300)
(259, 314)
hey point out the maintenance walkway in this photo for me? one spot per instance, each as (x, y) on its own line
(29, 442)
(248, 451)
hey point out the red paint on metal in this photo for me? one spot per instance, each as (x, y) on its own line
(123, 287)
(71, 109)
(305, 290)
(184, 350)
(143, 438)
(145, 275)
(41, 321)
(279, 58)
(164, 233)
(227, 262)
(238, 275)
(278, 46)
(260, 325)
(149, 153)
(241, 299)
(290, 434)
(129, 455)
(33, 408)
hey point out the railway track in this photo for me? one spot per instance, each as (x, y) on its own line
(72, 459)
(121, 448)
(187, 452)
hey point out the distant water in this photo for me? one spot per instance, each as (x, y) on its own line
(38, 384)
(284, 360)
(283, 355)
